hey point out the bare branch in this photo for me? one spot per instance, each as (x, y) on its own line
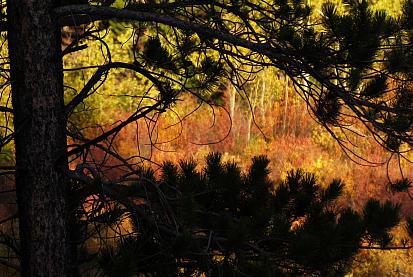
(99, 13)
(84, 93)
(6, 109)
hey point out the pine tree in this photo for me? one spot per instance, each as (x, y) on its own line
(223, 221)
(352, 66)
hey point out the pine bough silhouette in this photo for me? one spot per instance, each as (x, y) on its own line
(221, 221)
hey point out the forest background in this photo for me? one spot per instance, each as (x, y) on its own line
(267, 117)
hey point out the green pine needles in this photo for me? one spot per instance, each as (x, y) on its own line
(219, 220)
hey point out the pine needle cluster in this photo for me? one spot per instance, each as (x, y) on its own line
(219, 220)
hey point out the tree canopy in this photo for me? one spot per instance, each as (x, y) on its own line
(350, 67)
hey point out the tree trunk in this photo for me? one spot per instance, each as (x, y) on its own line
(262, 102)
(253, 103)
(285, 106)
(232, 102)
(40, 140)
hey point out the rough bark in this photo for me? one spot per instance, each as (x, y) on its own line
(40, 141)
